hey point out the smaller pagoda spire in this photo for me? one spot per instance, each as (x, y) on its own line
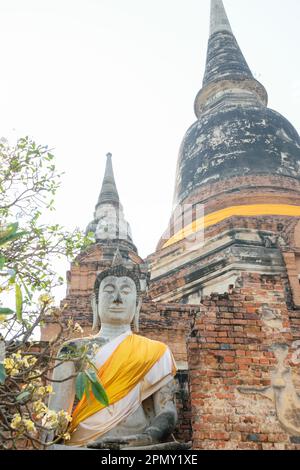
(109, 222)
(109, 192)
(218, 18)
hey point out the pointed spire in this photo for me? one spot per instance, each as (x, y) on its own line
(229, 90)
(218, 18)
(109, 192)
(109, 222)
(224, 56)
(226, 69)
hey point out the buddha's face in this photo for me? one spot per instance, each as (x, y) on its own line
(117, 300)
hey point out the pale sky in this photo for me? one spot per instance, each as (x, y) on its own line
(87, 77)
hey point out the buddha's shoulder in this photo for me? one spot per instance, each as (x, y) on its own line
(151, 341)
(77, 344)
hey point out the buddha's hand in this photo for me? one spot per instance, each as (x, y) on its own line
(134, 440)
(47, 437)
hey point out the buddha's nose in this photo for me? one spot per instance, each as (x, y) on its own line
(118, 299)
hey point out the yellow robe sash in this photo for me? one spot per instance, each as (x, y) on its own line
(122, 371)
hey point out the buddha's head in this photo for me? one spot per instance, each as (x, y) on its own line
(116, 296)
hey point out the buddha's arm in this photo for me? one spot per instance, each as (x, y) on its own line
(63, 392)
(165, 413)
(63, 387)
(162, 425)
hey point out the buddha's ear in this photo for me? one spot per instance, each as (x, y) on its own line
(95, 313)
(137, 316)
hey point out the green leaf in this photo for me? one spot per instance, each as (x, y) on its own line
(19, 303)
(10, 238)
(10, 234)
(26, 288)
(87, 386)
(92, 376)
(6, 311)
(80, 385)
(2, 374)
(2, 262)
(12, 278)
(100, 393)
(23, 395)
(10, 229)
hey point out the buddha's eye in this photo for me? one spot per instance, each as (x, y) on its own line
(125, 290)
(109, 289)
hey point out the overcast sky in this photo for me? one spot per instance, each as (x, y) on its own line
(89, 77)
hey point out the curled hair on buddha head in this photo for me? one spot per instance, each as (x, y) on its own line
(117, 271)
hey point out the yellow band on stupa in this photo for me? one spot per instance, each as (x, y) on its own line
(239, 211)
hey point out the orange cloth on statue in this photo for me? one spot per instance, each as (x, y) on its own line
(122, 371)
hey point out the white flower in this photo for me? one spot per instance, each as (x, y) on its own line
(50, 420)
(64, 416)
(46, 299)
(77, 328)
(16, 421)
(96, 348)
(39, 408)
(32, 360)
(9, 363)
(49, 389)
(29, 425)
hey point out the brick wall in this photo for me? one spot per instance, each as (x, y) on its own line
(229, 350)
(170, 323)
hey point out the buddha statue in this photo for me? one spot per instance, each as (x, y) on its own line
(137, 373)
